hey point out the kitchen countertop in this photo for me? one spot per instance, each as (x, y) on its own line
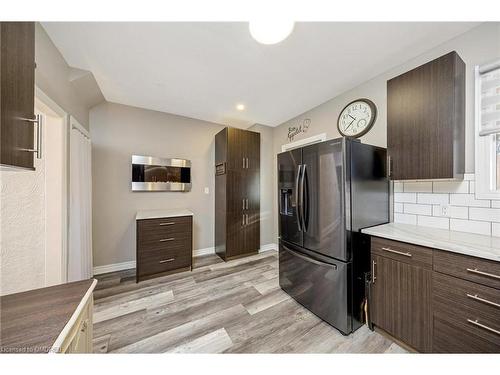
(32, 321)
(476, 245)
(156, 214)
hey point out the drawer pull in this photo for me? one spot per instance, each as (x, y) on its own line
(374, 277)
(475, 270)
(167, 239)
(171, 223)
(477, 324)
(475, 297)
(396, 252)
(167, 260)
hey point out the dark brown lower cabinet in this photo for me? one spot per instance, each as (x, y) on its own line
(433, 300)
(164, 246)
(401, 301)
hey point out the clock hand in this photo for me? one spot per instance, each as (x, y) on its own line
(352, 117)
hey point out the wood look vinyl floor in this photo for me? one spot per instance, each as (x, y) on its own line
(233, 307)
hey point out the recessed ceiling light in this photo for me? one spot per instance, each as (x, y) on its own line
(240, 107)
(270, 31)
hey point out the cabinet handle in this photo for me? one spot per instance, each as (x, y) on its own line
(396, 252)
(247, 203)
(171, 223)
(243, 218)
(243, 161)
(389, 166)
(483, 326)
(167, 260)
(243, 202)
(374, 278)
(38, 149)
(167, 239)
(247, 163)
(247, 219)
(475, 270)
(477, 298)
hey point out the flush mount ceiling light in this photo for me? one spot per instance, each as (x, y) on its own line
(240, 107)
(270, 31)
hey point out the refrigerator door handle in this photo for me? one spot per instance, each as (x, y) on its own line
(305, 199)
(298, 199)
(309, 259)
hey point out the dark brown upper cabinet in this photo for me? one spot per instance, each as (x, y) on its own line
(17, 94)
(237, 193)
(426, 121)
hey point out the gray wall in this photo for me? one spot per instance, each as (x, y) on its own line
(117, 132)
(52, 76)
(267, 166)
(477, 46)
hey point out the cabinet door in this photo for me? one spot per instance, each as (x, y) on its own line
(401, 302)
(252, 232)
(425, 120)
(252, 150)
(235, 242)
(17, 93)
(236, 149)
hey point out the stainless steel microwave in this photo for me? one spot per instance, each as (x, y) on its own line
(151, 173)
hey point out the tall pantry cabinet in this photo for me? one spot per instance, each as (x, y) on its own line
(237, 193)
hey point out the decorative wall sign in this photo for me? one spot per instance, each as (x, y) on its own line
(301, 127)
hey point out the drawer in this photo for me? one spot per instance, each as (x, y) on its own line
(481, 271)
(466, 300)
(451, 336)
(403, 252)
(162, 261)
(166, 242)
(155, 229)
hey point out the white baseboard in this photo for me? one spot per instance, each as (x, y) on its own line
(268, 247)
(205, 251)
(98, 270)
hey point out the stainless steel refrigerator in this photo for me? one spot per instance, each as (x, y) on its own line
(328, 192)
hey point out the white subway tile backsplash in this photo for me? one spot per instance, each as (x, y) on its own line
(418, 209)
(434, 222)
(495, 229)
(468, 200)
(405, 218)
(418, 187)
(453, 211)
(432, 198)
(422, 203)
(398, 207)
(450, 187)
(495, 204)
(398, 187)
(470, 226)
(484, 214)
(405, 197)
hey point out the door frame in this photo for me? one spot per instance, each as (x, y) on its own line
(45, 100)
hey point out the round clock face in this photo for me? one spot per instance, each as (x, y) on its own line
(357, 118)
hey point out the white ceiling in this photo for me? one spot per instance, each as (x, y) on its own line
(202, 70)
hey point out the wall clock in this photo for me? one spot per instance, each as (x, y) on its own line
(357, 118)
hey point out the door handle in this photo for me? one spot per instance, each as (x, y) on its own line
(297, 197)
(374, 277)
(309, 259)
(38, 150)
(305, 199)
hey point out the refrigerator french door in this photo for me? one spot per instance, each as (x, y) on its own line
(327, 192)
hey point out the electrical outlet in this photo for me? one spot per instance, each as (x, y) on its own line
(445, 210)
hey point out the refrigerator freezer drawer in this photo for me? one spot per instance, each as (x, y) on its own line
(321, 287)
